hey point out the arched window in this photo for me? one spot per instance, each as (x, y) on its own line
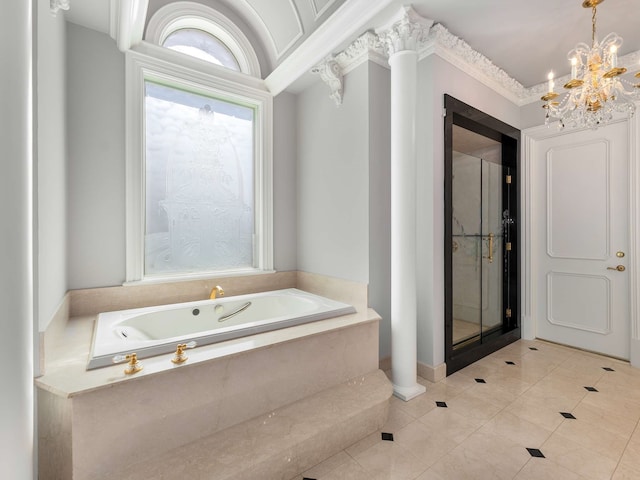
(199, 151)
(202, 32)
(202, 45)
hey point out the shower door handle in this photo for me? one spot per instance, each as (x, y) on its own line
(490, 256)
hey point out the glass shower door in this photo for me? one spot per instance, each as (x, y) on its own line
(478, 262)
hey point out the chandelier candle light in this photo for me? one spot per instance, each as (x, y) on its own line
(596, 91)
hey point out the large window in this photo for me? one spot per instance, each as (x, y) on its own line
(198, 182)
(198, 169)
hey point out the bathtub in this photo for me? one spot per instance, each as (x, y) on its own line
(157, 330)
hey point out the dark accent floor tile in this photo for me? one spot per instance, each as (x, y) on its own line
(567, 415)
(608, 369)
(307, 478)
(481, 380)
(534, 452)
(510, 363)
(387, 436)
(442, 404)
(591, 389)
(533, 348)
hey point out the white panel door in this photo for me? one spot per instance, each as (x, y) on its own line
(580, 239)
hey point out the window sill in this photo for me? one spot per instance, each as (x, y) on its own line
(159, 279)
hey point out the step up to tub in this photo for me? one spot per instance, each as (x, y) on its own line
(280, 444)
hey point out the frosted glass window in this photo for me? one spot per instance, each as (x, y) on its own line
(199, 174)
(202, 45)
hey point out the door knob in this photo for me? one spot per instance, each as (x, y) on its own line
(619, 268)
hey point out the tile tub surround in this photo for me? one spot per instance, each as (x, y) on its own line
(486, 429)
(97, 300)
(130, 419)
(282, 443)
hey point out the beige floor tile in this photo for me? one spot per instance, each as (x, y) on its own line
(492, 393)
(474, 408)
(465, 464)
(442, 391)
(424, 443)
(458, 380)
(625, 472)
(364, 444)
(517, 430)
(389, 460)
(536, 411)
(499, 451)
(545, 469)
(484, 432)
(416, 407)
(578, 459)
(329, 465)
(350, 470)
(631, 456)
(398, 417)
(601, 441)
(605, 419)
(450, 424)
(620, 404)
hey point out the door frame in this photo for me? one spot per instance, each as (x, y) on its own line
(529, 316)
(466, 116)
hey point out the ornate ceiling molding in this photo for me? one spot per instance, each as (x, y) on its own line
(367, 47)
(57, 5)
(407, 31)
(459, 53)
(331, 74)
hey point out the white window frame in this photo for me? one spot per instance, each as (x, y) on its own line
(150, 62)
(180, 15)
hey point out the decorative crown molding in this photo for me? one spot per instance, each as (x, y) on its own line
(407, 31)
(367, 46)
(331, 74)
(459, 53)
(57, 5)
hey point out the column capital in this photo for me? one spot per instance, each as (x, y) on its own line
(407, 30)
(57, 5)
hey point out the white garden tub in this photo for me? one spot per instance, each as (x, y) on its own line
(157, 330)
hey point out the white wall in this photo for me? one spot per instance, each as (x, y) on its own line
(333, 180)
(435, 78)
(51, 154)
(380, 200)
(96, 170)
(16, 237)
(285, 130)
(96, 180)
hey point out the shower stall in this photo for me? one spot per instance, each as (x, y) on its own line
(481, 248)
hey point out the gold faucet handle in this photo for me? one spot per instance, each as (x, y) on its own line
(179, 356)
(133, 365)
(216, 291)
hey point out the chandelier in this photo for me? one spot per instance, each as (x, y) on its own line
(595, 91)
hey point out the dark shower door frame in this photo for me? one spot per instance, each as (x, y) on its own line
(465, 116)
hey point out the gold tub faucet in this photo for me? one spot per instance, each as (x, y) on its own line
(216, 291)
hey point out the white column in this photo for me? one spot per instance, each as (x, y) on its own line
(401, 38)
(16, 299)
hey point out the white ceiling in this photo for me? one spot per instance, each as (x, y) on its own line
(525, 38)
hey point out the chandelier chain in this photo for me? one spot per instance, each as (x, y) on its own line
(593, 26)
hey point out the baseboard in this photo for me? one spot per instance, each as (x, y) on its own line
(385, 364)
(433, 374)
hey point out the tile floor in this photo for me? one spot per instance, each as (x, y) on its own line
(516, 425)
